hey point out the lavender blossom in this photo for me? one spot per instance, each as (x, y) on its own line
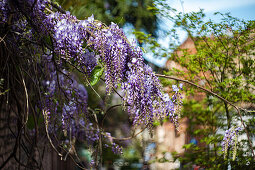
(68, 42)
(4, 12)
(230, 140)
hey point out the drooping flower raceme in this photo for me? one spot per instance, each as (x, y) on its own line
(123, 63)
(66, 104)
(143, 95)
(69, 37)
(230, 140)
(61, 43)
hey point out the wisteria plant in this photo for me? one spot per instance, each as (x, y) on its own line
(59, 43)
(46, 46)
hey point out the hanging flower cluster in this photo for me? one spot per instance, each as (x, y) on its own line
(123, 64)
(66, 104)
(67, 42)
(230, 140)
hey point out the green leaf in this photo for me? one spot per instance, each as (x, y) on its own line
(47, 40)
(96, 75)
(30, 122)
(188, 146)
(156, 123)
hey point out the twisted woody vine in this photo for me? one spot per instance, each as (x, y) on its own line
(49, 47)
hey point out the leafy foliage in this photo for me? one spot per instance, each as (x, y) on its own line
(134, 12)
(220, 57)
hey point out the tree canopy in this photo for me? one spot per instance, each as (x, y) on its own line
(134, 12)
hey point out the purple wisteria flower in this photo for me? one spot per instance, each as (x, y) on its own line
(116, 149)
(61, 43)
(69, 37)
(123, 62)
(230, 140)
(175, 88)
(4, 12)
(66, 103)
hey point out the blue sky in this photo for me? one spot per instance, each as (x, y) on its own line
(243, 9)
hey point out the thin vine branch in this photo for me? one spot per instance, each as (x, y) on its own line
(46, 129)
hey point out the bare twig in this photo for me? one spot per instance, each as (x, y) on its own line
(25, 88)
(127, 138)
(47, 132)
(107, 111)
